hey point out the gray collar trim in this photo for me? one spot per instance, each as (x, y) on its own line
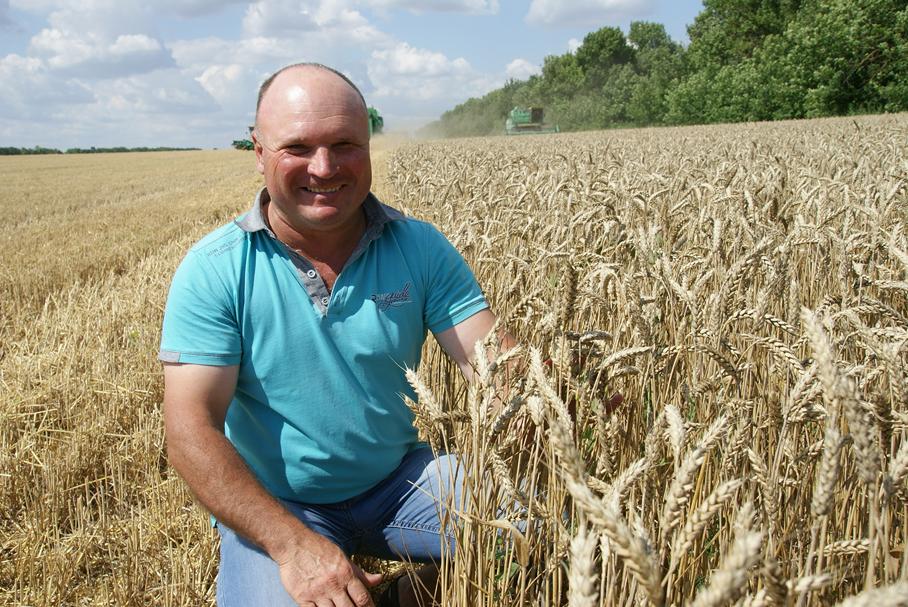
(377, 214)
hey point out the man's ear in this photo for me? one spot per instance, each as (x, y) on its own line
(257, 146)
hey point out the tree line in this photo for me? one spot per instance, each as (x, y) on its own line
(747, 60)
(13, 151)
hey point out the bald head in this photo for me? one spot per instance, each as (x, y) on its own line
(303, 67)
(311, 143)
(303, 94)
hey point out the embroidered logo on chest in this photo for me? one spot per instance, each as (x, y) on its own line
(383, 301)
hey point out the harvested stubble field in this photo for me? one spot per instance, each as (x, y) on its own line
(744, 287)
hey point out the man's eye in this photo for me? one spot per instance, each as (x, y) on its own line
(297, 150)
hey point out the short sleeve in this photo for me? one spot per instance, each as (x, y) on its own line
(452, 293)
(200, 323)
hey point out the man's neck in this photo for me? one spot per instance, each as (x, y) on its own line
(331, 247)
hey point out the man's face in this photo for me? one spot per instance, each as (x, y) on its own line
(312, 147)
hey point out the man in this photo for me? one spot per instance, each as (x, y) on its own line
(285, 338)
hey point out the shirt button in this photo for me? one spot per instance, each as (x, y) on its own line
(324, 301)
(310, 273)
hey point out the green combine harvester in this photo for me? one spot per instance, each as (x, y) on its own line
(528, 121)
(376, 124)
(244, 144)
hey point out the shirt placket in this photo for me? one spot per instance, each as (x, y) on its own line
(312, 280)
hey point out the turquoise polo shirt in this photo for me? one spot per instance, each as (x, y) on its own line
(318, 413)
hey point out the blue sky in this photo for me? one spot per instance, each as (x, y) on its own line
(185, 72)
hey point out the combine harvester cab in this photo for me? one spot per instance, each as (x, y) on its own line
(528, 121)
(376, 122)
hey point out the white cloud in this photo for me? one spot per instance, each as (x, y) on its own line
(105, 19)
(98, 39)
(270, 17)
(27, 89)
(234, 86)
(583, 12)
(412, 73)
(59, 49)
(218, 80)
(277, 33)
(573, 44)
(161, 92)
(128, 44)
(405, 60)
(199, 53)
(309, 30)
(89, 55)
(182, 8)
(194, 8)
(98, 73)
(297, 18)
(261, 50)
(474, 7)
(39, 107)
(521, 69)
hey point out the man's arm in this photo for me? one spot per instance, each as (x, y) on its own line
(313, 569)
(459, 342)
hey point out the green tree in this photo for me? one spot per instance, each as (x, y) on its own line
(729, 31)
(600, 52)
(646, 35)
(660, 65)
(847, 56)
(616, 96)
(747, 60)
(562, 77)
(833, 57)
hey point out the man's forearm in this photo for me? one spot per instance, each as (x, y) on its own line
(221, 481)
(313, 569)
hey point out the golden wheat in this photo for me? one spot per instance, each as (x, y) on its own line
(743, 287)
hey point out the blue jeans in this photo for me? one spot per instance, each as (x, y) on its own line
(404, 517)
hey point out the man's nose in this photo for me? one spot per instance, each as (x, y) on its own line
(321, 164)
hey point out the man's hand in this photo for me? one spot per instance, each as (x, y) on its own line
(319, 573)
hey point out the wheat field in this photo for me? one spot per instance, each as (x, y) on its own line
(745, 288)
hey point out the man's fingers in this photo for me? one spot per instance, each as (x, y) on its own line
(342, 600)
(359, 594)
(374, 579)
(369, 579)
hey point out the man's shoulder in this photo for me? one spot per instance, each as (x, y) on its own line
(406, 225)
(418, 234)
(220, 241)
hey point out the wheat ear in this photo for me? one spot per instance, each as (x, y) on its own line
(894, 595)
(583, 575)
(729, 582)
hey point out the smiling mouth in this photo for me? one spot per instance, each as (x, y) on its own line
(323, 190)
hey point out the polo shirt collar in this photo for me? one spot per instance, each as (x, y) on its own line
(377, 215)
